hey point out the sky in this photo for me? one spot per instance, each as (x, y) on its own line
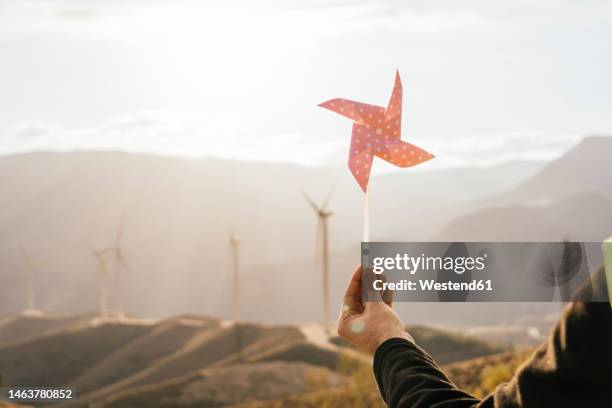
(484, 82)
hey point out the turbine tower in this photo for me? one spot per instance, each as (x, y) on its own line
(322, 243)
(102, 281)
(234, 243)
(29, 292)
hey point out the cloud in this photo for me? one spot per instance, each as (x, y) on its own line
(162, 133)
(78, 14)
(409, 20)
(29, 131)
(485, 150)
(142, 121)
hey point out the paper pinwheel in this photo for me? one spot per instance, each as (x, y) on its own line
(377, 132)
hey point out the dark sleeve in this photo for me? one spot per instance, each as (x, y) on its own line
(408, 377)
(572, 369)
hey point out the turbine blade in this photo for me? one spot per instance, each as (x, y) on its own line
(107, 250)
(121, 259)
(92, 251)
(119, 234)
(310, 201)
(328, 198)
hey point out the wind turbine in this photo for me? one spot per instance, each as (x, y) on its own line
(29, 292)
(322, 243)
(234, 242)
(115, 256)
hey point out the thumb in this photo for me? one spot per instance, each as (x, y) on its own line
(373, 297)
(374, 300)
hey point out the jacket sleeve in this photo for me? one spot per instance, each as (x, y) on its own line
(408, 377)
(572, 369)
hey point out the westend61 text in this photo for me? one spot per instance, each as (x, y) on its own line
(431, 284)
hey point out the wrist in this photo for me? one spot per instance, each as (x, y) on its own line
(391, 335)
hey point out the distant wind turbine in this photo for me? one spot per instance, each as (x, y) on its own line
(102, 281)
(114, 256)
(29, 292)
(322, 243)
(234, 243)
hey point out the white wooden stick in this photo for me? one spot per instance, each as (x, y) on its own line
(366, 219)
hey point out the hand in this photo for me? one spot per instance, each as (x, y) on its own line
(368, 325)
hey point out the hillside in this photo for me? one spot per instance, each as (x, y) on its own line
(226, 386)
(163, 340)
(196, 360)
(55, 359)
(584, 169)
(583, 217)
(448, 347)
(568, 198)
(480, 376)
(23, 326)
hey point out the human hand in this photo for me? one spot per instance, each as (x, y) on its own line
(368, 325)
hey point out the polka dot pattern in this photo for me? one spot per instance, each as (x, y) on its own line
(377, 132)
(362, 113)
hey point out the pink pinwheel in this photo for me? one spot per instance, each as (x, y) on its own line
(377, 132)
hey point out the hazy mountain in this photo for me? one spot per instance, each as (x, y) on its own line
(569, 198)
(409, 206)
(178, 214)
(586, 217)
(585, 169)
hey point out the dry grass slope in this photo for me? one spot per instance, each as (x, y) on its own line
(447, 347)
(224, 386)
(482, 375)
(57, 359)
(21, 327)
(163, 340)
(478, 376)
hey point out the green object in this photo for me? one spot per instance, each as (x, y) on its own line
(607, 252)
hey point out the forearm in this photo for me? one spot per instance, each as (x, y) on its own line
(408, 377)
